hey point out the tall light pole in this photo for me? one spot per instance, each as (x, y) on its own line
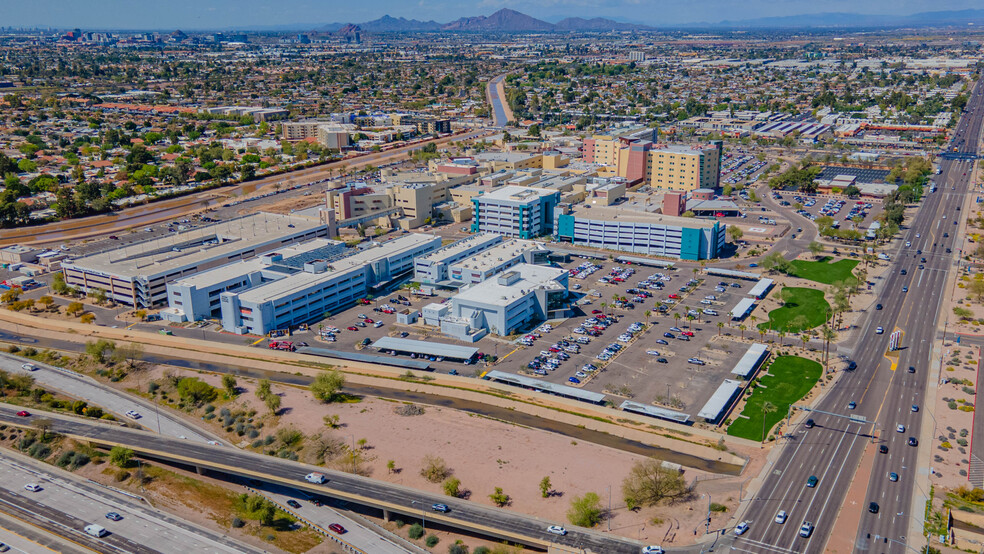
(423, 514)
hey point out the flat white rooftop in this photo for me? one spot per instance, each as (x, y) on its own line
(158, 255)
(490, 292)
(623, 215)
(463, 245)
(497, 255)
(517, 194)
(235, 269)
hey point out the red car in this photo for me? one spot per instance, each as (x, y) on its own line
(674, 296)
(596, 311)
(368, 320)
(687, 333)
(337, 528)
(352, 328)
(23, 413)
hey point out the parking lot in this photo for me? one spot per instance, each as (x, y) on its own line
(841, 210)
(611, 349)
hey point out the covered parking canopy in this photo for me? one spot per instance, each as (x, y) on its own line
(426, 348)
(761, 288)
(733, 274)
(720, 401)
(742, 308)
(543, 386)
(635, 260)
(368, 358)
(655, 411)
(748, 363)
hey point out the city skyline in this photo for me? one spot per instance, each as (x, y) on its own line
(304, 14)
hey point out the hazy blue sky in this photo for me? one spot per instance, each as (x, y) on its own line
(213, 14)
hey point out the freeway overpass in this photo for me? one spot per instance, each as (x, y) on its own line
(464, 515)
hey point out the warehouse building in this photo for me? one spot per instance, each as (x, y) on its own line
(641, 232)
(137, 274)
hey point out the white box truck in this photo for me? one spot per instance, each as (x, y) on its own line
(96, 530)
(318, 478)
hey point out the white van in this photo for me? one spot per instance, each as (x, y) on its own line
(318, 478)
(96, 530)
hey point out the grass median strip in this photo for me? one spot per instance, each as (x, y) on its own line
(789, 378)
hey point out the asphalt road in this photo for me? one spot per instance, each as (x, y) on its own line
(498, 111)
(80, 386)
(833, 449)
(463, 514)
(72, 503)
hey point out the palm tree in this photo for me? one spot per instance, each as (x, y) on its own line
(648, 314)
(742, 327)
(767, 408)
(828, 335)
(782, 335)
(805, 338)
(720, 325)
(761, 334)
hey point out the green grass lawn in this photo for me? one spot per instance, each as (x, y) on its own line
(808, 303)
(789, 379)
(822, 271)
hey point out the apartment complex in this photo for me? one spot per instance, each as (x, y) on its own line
(136, 274)
(642, 233)
(523, 212)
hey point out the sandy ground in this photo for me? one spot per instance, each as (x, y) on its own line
(485, 453)
(951, 464)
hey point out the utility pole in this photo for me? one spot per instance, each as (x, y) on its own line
(609, 508)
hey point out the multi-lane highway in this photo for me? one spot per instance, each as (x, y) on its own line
(489, 521)
(884, 394)
(66, 504)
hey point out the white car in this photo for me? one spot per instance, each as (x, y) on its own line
(900, 428)
(652, 550)
(33, 487)
(879, 330)
(29, 367)
(741, 528)
(781, 517)
(652, 352)
(806, 530)
(132, 414)
(556, 530)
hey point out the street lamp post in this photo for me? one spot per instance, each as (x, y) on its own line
(423, 514)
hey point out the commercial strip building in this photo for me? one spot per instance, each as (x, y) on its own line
(522, 212)
(136, 274)
(322, 286)
(641, 232)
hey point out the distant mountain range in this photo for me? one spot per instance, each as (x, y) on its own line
(854, 20)
(511, 21)
(502, 21)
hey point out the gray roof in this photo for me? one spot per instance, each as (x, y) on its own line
(543, 386)
(425, 347)
(654, 411)
(750, 361)
(760, 288)
(644, 261)
(368, 358)
(742, 307)
(732, 273)
(720, 400)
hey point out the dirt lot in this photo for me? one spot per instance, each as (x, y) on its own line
(485, 453)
